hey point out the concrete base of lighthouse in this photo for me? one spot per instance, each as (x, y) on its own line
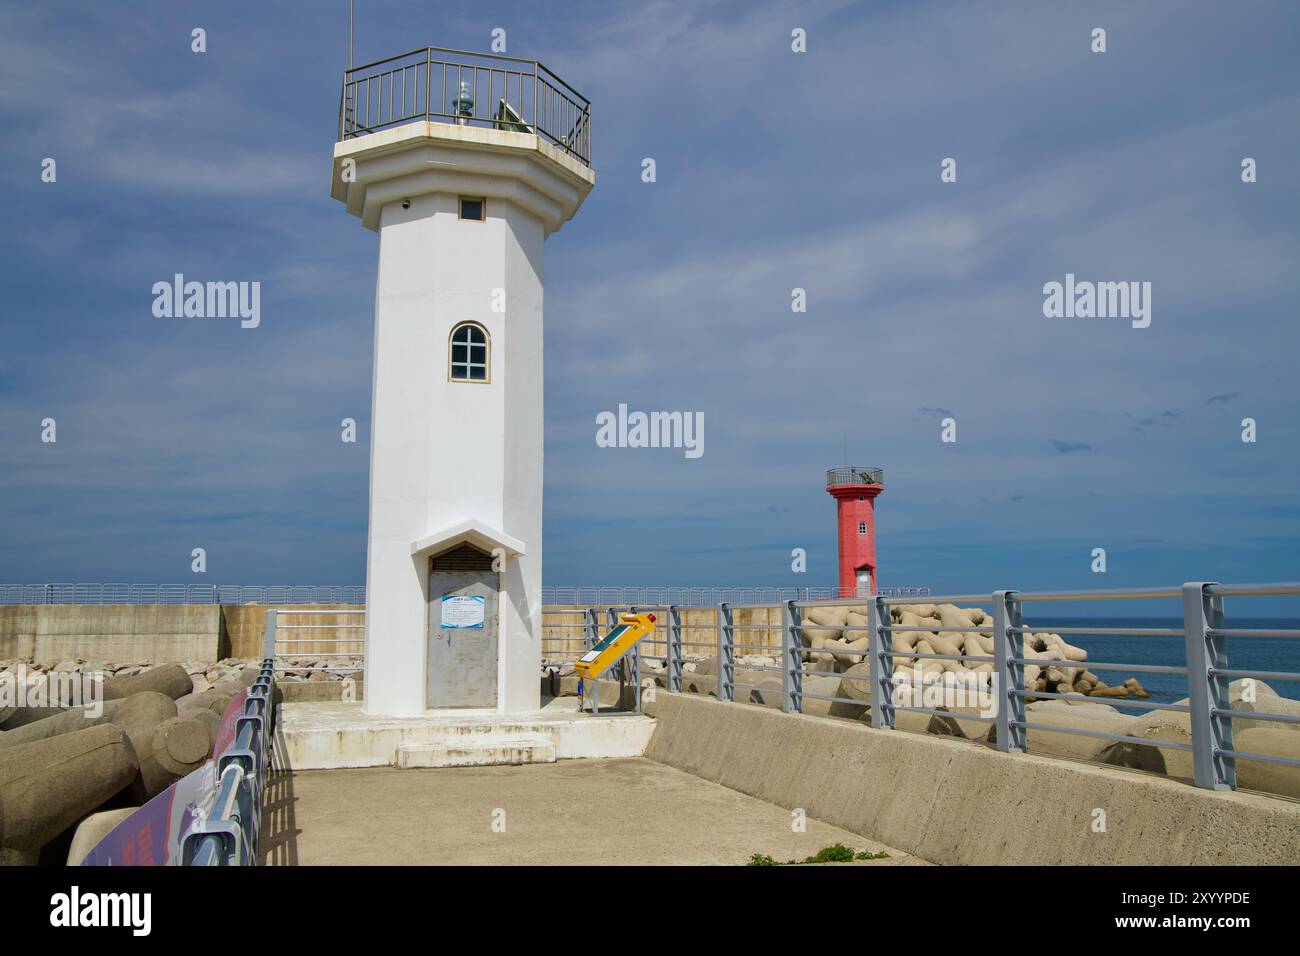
(334, 735)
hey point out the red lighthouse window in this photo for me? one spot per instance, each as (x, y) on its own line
(862, 527)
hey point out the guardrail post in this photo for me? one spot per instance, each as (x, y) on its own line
(268, 635)
(636, 674)
(1009, 677)
(428, 79)
(635, 668)
(611, 621)
(726, 654)
(1207, 692)
(882, 664)
(791, 660)
(674, 662)
(589, 641)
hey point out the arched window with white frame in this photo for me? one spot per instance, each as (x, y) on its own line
(471, 352)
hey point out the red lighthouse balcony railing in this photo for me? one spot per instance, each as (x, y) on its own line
(854, 476)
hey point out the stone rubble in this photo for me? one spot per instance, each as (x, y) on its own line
(60, 767)
(203, 675)
(941, 632)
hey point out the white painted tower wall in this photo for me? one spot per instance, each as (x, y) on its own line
(455, 461)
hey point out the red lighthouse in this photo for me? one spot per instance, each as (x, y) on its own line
(855, 491)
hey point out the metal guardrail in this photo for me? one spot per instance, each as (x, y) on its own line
(1204, 631)
(470, 89)
(854, 476)
(226, 594)
(96, 593)
(1205, 667)
(228, 834)
(275, 647)
(238, 594)
(594, 596)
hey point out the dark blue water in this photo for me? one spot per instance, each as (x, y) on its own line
(1244, 653)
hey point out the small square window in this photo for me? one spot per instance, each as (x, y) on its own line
(472, 209)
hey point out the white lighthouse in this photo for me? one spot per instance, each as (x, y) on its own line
(463, 164)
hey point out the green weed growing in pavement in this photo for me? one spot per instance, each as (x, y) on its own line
(836, 853)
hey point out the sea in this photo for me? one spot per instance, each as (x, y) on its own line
(1244, 653)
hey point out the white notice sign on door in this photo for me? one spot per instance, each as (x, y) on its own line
(462, 610)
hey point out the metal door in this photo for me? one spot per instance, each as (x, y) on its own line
(462, 658)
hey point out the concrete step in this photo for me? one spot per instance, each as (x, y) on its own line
(477, 750)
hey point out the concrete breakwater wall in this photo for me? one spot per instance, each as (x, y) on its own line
(50, 633)
(951, 803)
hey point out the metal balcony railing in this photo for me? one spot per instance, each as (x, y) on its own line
(854, 476)
(469, 89)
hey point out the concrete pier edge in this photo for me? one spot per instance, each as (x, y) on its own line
(957, 803)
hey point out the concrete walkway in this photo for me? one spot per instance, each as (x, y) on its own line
(631, 811)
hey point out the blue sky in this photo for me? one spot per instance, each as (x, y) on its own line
(775, 170)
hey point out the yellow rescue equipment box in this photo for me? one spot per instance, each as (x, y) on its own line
(631, 628)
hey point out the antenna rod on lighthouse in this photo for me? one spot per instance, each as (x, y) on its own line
(349, 34)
